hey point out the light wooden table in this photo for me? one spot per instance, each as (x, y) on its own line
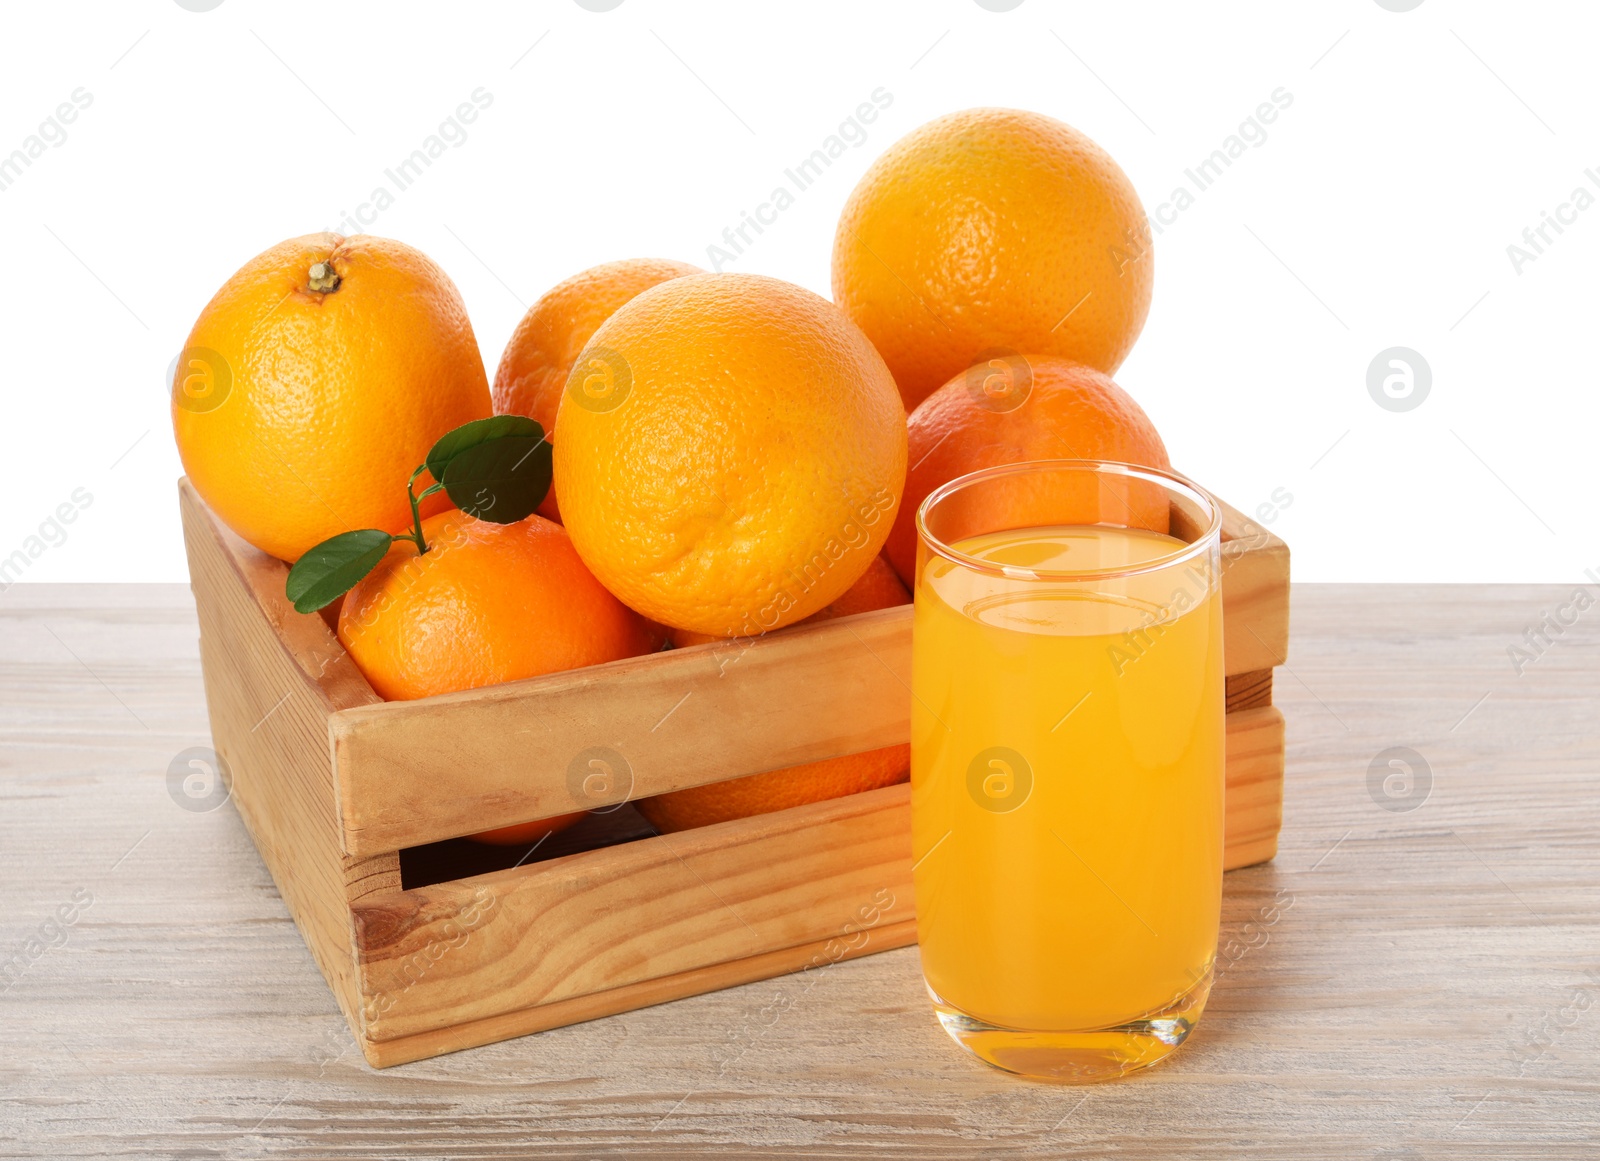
(1398, 983)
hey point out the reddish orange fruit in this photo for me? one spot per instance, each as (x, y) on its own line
(1035, 407)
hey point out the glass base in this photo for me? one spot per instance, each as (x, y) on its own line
(1078, 1057)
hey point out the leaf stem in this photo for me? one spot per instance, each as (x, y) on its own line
(416, 510)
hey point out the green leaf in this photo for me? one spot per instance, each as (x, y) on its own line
(329, 570)
(474, 434)
(502, 480)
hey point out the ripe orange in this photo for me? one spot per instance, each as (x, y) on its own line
(776, 789)
(731, 453)
(526, 833)
(486, 603)
(878, 588)
(314, 383)
(1022, 408)
(990, 229)
(534, 368)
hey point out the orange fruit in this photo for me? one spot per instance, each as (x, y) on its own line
(314, 383)
(731, 453)
(776, 789)
(991, 229)
(1023, 408)
(486, 603)
(877, 588)
(534, 367)
(526, 833)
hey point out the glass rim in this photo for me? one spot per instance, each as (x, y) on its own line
(1169, 480)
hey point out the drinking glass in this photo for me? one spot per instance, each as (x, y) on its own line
(1067, 763)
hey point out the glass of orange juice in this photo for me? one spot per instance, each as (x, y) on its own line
(1067, 763)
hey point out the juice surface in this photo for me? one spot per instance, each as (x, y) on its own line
(1067, 778)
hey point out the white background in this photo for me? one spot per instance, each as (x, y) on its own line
(1377, 213)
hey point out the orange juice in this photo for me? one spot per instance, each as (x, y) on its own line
(1067, 781)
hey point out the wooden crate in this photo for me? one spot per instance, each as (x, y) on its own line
(334, 784)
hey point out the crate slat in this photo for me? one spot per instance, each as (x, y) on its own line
(1255, 594)
(420, 771)
(599, 920)
(270, 687)
(807, 959)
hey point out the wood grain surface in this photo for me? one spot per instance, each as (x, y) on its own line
(270, 682)
(1399, 983)
(417, 772)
